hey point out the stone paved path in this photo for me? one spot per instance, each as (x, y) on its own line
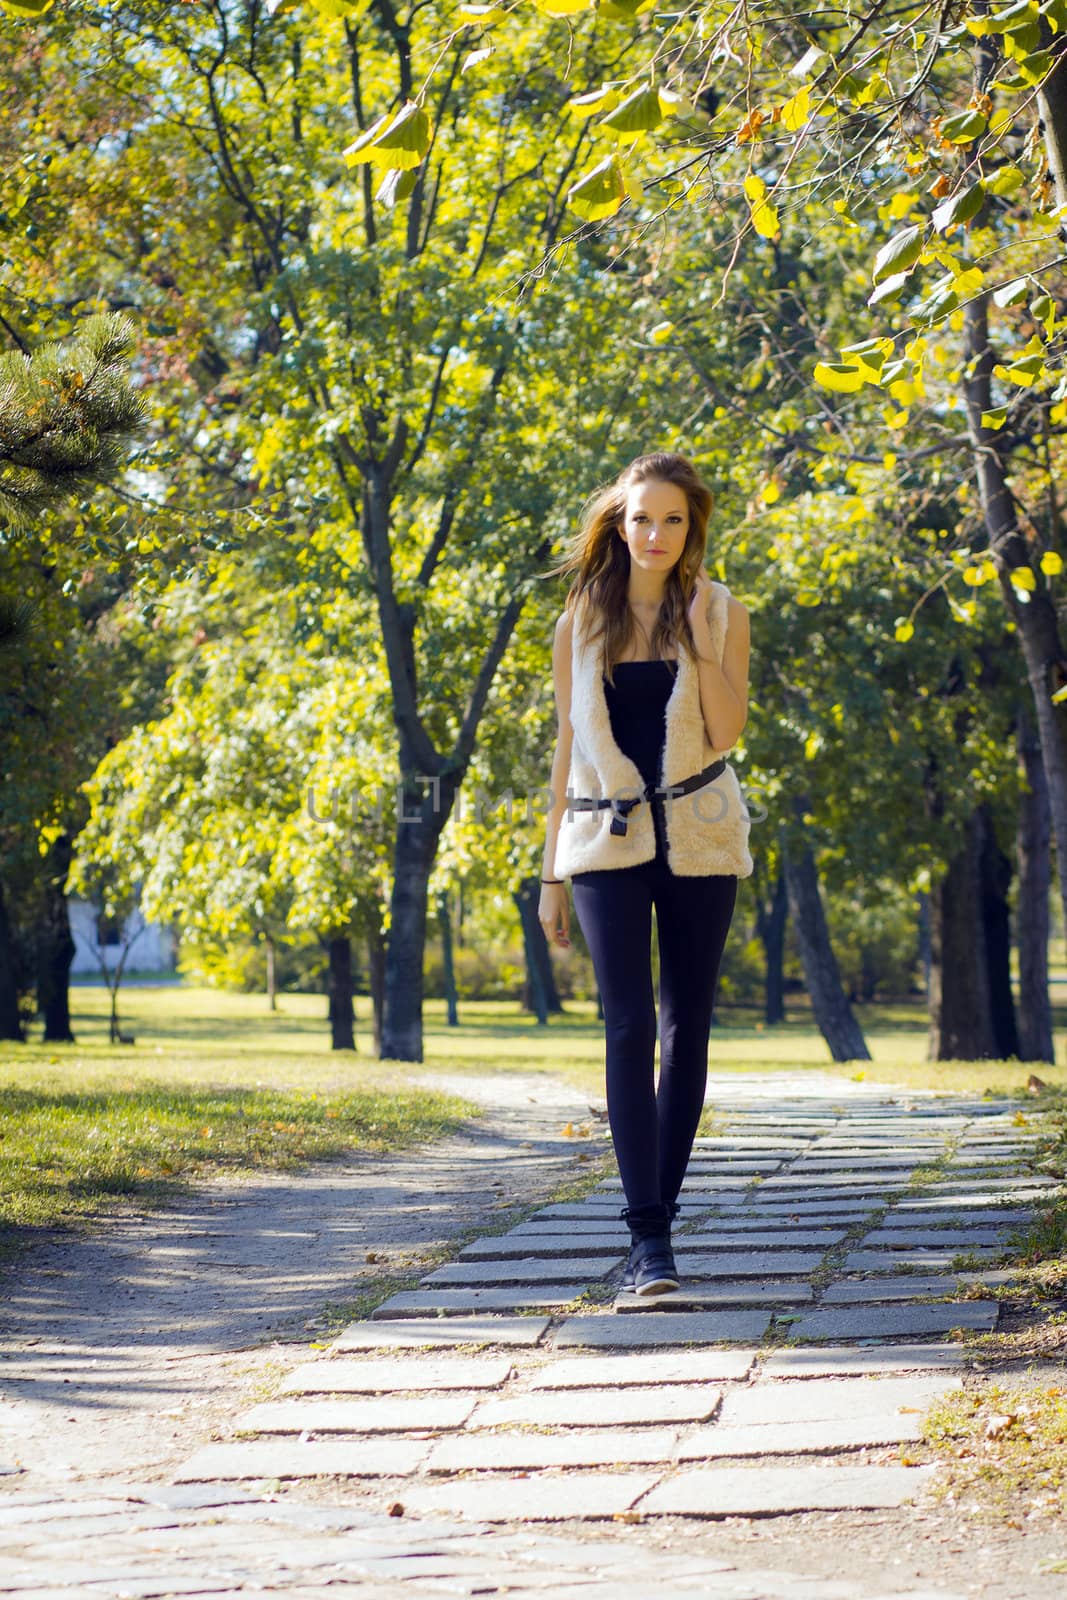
(829, 1246)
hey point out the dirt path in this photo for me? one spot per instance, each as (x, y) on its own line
(119, 1352)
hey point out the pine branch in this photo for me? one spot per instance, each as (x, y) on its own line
(67, 416)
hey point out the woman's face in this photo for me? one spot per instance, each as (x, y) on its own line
(655, 524)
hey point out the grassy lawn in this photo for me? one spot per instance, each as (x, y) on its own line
(213, 1084)
(217, 1082)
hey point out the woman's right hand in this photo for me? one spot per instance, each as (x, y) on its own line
(554, 913)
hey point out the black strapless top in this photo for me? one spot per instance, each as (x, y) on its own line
(637, 706)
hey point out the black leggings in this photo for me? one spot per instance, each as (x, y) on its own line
(653, 1127)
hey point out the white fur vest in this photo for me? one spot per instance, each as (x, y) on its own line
(706, 830)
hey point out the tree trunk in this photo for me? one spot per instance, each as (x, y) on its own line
(1032, 899)
(272, 986)
(922, 904)
(376, 980)
(829, 1003)
(542, 992)
(1035, 622)
(10, 1021)
(415, 850)
(339, 989)
(56, 947)
(444, 921)
(996, 869)
(770, 929)
(961, 1010)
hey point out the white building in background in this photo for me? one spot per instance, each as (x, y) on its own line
(152, 946)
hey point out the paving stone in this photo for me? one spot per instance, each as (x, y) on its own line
(963, 1239)
(569, 1227)
(452, 1302)
(863, 1260)
(797, 1438)
(762, 1491)
(816, 1165)
(759, 1238)
(350, 1458)
(414, 1332)
(830, 1399)
(1009, 1188)
(888, 1322)
(513, 1452)
(46, 1508)
(851, 1291)
(845, 1361)
(667, 1328)
(831, 1185)
(669, 1366)
(356, 1416)
(697, 1264)
(510, 1247)
(601, 1209)
(743, 1292)
(915, 1214)
(384, 1377)
(591, 1408)
(834, 1208)
(701, 1185)
(528, 1269)
(542, 1499)
(734, 1164)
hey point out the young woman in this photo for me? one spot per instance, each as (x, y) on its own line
(650, 663)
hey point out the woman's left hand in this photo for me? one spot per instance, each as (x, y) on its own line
(698, 606)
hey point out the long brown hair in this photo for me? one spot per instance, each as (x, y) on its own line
(601, 561)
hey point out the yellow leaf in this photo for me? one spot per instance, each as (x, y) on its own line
(755, 188)
(771, 493)
(836, 375)
(1022, 578)
(765, 220)
(903, 632)
(795, 110)
(1051, 563)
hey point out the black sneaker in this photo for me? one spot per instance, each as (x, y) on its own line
(650, 1267)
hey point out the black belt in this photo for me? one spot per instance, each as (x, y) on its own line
(651, 791)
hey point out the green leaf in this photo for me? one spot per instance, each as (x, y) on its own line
(1023, 372)
(1012, 294)
(1020, 15)
(1007, 180)
(1035, 68)
(594, 100)
(963, 126)
(639, 113)
(941, 299)
(401, 142)
(599, 192)
(890, 287)
(901, 251)
(960, 207)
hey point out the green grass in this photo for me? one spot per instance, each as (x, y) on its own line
(214, 1084)
(1002, 1448)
